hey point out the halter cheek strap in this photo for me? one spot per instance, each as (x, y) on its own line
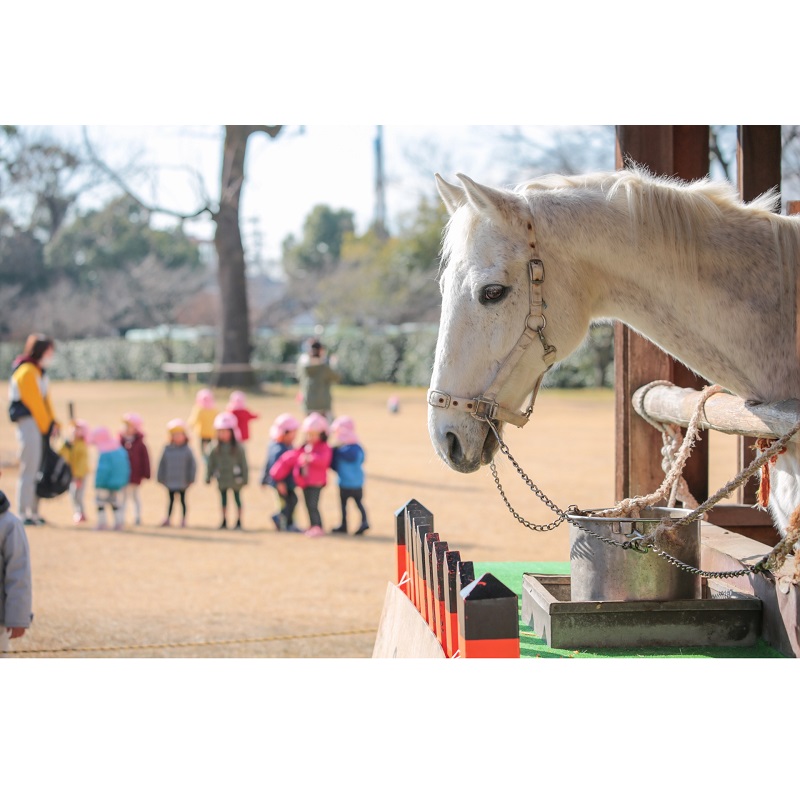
(485, 407)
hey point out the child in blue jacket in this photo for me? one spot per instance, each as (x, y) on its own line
(111, 476)
(281, 437)
(348, 460)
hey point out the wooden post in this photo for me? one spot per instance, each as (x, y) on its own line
(403, 517)
(758, 168)
(452, 560)
(488, 619)
(437, 573)
(680, 150)
(427, 581)
(401, 528)
(422, 529)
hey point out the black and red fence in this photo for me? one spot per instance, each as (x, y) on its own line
(471, 617)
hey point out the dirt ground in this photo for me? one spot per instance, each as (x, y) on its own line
(199, 592)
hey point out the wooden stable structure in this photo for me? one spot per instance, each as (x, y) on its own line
(682, 151)
(737, 533)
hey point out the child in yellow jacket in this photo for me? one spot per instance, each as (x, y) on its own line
(201, 420)
(75, 451)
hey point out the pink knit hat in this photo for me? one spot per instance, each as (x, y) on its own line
(103, 440)
(205, 398)
(237, 401)
(344, 429)
(283, 424)
(226, 420)
(81, 427)
(315, 422)
(134, 419)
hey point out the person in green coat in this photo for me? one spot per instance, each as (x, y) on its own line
(227, 464)
(316, 375)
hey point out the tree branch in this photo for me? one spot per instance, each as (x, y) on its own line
(118, 181)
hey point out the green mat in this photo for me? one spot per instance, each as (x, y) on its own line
(531, 646)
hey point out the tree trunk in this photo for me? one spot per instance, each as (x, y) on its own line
(234, 340)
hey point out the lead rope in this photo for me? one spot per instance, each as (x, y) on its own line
(772, 561)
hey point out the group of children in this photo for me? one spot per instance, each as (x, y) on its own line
(306, 468)
(123, 462)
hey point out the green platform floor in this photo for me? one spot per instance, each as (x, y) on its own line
(531, 646)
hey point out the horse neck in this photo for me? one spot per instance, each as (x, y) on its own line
(714, 306)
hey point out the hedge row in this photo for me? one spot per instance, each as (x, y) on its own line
(403, 358)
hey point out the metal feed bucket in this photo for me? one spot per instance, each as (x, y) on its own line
(601, 571)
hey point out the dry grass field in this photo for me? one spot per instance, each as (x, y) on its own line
(199, 592)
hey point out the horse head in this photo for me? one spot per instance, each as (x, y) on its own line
(493, 347)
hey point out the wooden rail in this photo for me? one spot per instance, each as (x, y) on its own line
(723, 412)
(190, 372)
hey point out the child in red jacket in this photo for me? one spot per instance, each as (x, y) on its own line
(237, 405)
(308, 465)
(132, 439)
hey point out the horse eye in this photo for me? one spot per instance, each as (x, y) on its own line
(493, 293)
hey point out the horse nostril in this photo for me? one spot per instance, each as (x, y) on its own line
(454, 451)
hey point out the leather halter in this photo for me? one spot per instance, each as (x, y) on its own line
(485, 407)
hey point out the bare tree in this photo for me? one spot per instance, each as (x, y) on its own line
(235, 348)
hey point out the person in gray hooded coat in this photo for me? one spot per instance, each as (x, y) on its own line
(16, 594)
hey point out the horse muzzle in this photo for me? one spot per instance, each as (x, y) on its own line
(464, 444)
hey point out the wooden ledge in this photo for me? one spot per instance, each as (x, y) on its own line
(723, 550)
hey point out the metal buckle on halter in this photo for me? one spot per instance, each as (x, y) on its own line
(485, 409)
(538, 264)
(438, 399)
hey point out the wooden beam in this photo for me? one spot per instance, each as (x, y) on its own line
(680, 150)
(723, 412)
(723, 551)
(758, 169)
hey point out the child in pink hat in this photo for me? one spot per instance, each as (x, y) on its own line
(308, 465)
(132, 439)
(201, 419)
(110, 477)
(227, 463)
(282, 434)
(75, 451)
(348, 460)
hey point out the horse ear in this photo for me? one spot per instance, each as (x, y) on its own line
(453, 196)
(491, 202)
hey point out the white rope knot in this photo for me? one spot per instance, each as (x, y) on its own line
(675, 451)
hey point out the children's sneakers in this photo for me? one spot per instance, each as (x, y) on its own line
(314, 531)
(362, 529)
(276, 518)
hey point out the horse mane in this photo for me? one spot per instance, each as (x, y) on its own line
(659, 194)
(679, 209)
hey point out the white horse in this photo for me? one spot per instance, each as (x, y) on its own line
(708, 278)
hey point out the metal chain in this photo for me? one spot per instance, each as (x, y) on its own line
(635, 536)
